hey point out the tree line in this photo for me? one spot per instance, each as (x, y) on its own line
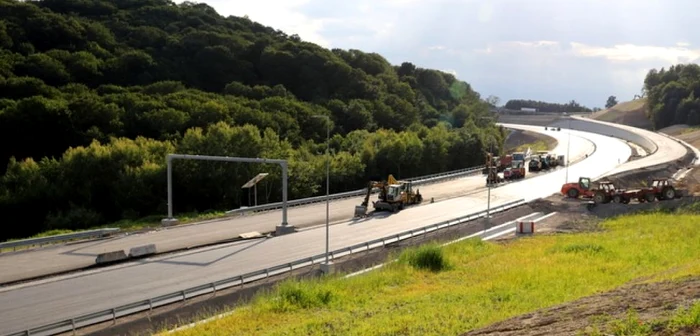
(572, 106)
(673, 95)
(96, 93)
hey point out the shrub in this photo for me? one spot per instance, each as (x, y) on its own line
(429, 257)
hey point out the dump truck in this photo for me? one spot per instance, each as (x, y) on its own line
(515, 171)
(500, 162)
(393, 196)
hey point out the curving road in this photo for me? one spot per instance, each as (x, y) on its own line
(62, 258)
(57, 299)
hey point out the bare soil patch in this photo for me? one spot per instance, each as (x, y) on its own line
(652, 301)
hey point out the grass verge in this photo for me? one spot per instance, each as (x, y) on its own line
(683, 319)
(133, 225)
(482, 282)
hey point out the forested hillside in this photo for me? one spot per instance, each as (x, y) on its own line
(96, 93)
(673, 95)
(572, 106)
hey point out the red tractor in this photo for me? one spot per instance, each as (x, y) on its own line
(660, 189)
(603, 194)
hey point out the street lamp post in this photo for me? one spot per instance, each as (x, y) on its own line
(327, 266)
(487, 224)
(568, 146)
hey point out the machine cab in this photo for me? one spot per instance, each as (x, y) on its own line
(394, 192)
(584, 183)
(607, 186)
(658, 184)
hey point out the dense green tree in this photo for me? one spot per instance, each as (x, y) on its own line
(672, 95)
(96, 93)
(572, 106)
(612, 101)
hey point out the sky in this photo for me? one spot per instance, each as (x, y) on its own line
(549, 50)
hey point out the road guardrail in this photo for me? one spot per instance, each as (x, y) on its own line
(210, 288)
(58, 238)
(309, 200)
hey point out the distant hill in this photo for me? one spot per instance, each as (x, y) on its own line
(631, 113)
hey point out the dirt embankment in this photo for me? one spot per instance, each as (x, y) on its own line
(520, 140)
(631, 113)
(652, 301)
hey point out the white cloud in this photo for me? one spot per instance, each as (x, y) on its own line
(279, 14)
(450, 71)
(542, 49)
(630, 52)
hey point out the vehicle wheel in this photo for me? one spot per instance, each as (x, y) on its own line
(649, 197)
(599, 197)
(617, 199)
(668, 193)
(572, 193)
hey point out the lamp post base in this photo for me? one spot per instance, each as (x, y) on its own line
(327, 268)
(284, 229)
(169, 221)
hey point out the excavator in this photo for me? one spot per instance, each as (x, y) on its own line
(393, 196)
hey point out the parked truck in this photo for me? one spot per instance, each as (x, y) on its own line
(515, 171)
(500, 162)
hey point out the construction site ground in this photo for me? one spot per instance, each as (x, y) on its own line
(652, 301)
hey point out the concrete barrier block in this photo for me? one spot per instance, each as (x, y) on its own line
(525, 227)
(108, 257)
(144, 250)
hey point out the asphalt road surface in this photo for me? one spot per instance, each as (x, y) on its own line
(52, 300)
(50, 260)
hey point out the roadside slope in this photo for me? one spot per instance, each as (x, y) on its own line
(631, 113)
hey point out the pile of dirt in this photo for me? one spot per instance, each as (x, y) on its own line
(652, 301)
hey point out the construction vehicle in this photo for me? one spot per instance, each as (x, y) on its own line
(661, 189)
(500, 162)
(547, 160)
(393, 196)
(535, 164)
(603, 194)
(519, 156)
(492, 172)
(515, 171)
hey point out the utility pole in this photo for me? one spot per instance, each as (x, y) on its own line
(327, 266)
(568, 146)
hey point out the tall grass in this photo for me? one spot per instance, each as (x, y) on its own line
(686, 319)
(483, 282)
(426, 257)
